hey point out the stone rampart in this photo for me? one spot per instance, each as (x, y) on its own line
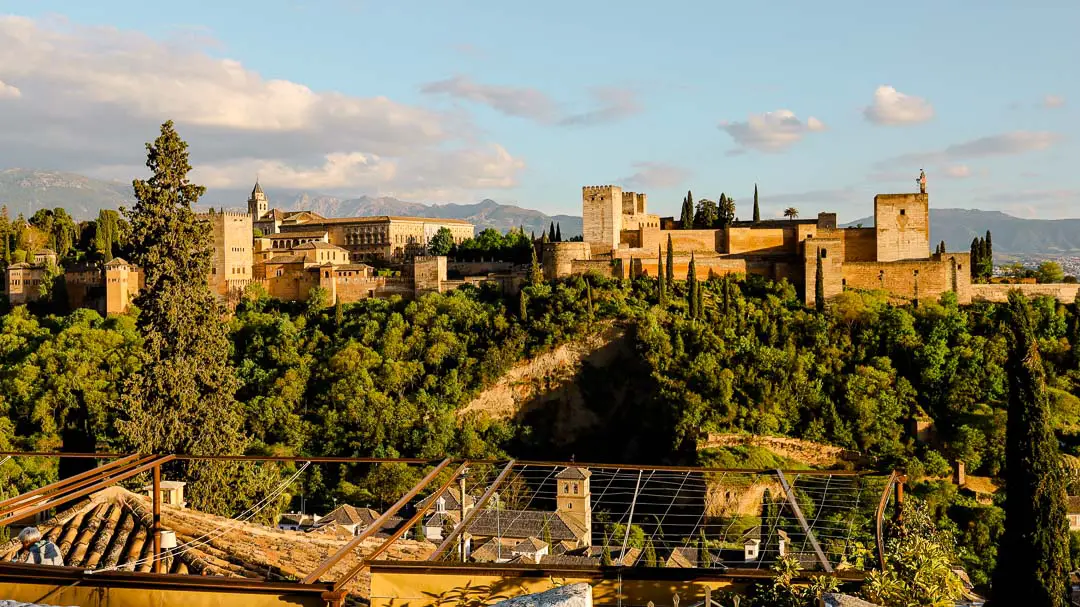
(1065, 293)
(683, 241)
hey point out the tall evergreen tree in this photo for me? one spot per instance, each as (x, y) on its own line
(990, 249)
(551, 233)
(688, 212)
(974, 258)
(670, 270)
(535, 275)
(660, 295)
(1075, 337)
(819, 285)
(726, 211)
(692, 287)
(523, 305)
(757, 209)
(558, 232)
(1033, 558)
(182, 400)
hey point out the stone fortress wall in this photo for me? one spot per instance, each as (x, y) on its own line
(893, 256)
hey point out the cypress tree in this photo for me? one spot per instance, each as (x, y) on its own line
(700, 309)
(989, 248)
(974, 258)
(660, 295)
(650, 553)
(691, 287)
(535, 276)
(819, 285)
(757, 209)
(558, 232)
(670, 271)
(182, 399)
(1033, 558)
(1075, 337)
(551, 233)
(523, 306)
(726, 292)
(688, 212)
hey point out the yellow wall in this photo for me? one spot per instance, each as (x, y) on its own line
(415, 589)
(89, 596)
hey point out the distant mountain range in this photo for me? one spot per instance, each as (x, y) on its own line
(1012, 235)
(25, 191)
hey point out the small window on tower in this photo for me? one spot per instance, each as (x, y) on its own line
(824, 253)
(569, 506)
(903, 211)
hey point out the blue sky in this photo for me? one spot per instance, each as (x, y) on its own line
(453, 101)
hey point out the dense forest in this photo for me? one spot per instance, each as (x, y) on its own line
(388, 378)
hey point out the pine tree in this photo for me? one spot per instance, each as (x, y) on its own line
(551, 233)
(1033, 557)
(558, 232)
(660, 295)
(757, 209)
(670, 270)
(182, 399)
(535, 275)
(688, 212)
(819, 285)
(691, 287)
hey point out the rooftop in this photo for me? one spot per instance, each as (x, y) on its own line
(110, 530)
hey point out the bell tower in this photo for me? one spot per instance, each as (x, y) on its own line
(574, 500)
(258, 206)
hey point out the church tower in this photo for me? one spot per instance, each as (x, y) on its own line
(574, 501)
(258, 206)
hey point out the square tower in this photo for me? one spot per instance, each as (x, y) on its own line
(902, 223)
(258, 205)
(601, 214)
(575, 499)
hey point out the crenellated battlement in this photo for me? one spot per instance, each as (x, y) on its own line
(237, 214)
(597, 188)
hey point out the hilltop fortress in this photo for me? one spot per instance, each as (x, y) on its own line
(893, 256)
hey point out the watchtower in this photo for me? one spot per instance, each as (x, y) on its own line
(902, 222)
(602, 211)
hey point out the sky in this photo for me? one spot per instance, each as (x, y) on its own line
(821, 104)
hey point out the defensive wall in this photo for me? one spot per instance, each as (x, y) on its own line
(997, 293)
(559, 257)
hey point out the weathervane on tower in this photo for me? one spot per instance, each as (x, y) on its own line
(922, 181)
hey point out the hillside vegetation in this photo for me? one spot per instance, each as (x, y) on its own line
(445, 375)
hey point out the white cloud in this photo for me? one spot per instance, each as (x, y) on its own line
(957, 171)
(9, 91)
(891, 107)
(612, 103)
(655, 175)
(1053, 101)
(770, 132)
(96, 94)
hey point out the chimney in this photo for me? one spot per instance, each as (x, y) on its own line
(959, 477)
